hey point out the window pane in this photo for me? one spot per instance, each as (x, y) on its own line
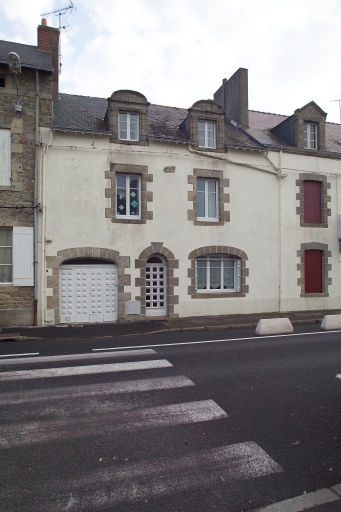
(134, 126)
(5, 237)
(215, 275)
(201, 204)
(5, 273)
(134, 196)
(305, 136)
(121, 200)
(123, 126)
(201, 275)
(201, 133)
(210, 135)
(6, 255)
(212, 199)
(229, 275)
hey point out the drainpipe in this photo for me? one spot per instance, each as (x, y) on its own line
(280, 232)
(35, 221)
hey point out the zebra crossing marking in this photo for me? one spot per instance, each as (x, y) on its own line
(95, 390)
(79, 357)
(83, 370)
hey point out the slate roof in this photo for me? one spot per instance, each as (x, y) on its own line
(86, 115)
(80, 114)
(30, 56)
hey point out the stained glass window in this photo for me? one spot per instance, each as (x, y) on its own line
(128, 201)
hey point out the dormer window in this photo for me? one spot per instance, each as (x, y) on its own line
(207, 134)
(310, 136)
(128, 126)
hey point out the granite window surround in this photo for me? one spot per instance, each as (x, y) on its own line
(326, 199)
(129, 102)
(218, 250)
(146, 195)
(209, 112)
(326, 268)
(223, 197)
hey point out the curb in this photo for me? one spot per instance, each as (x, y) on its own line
(305, 501)
(170, 330)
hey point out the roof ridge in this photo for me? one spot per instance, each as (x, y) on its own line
(82, 96)
(271, 113)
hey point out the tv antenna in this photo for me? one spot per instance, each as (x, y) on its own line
(339, 102)
(60, 13)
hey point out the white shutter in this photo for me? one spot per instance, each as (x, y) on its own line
(5, 158)
(23, 256)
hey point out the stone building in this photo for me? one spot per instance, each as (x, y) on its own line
(28, 85)
(141, 210)
(211, 210)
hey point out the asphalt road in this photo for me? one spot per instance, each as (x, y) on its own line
(172, 422)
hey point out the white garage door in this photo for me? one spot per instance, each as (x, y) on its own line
(88, 293)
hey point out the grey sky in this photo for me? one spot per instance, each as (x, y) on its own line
(177, 52)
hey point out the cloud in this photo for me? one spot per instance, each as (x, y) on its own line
(178, 52)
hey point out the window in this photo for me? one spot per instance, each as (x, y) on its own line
(5, 160)
(312, 202)
(128, 196)
(16, 256)
(207, 200)
(2, 81)
(313, 271)
(128, 126)
(5, 255)
(218, 272)
(206, 133)
(310, 136)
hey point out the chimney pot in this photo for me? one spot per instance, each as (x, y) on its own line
(44, 22)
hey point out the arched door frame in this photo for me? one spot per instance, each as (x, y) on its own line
(158, 248)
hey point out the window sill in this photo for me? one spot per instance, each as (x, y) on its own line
(308, 225)
(208, 222)
(308, 295)
(128, 220)
(217, 295)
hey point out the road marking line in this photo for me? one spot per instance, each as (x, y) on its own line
(19, 355)
(87, 425)
(152, 479)
(84, 370)
(338, 376)
(94, 390)
(213, 341)
(77, 357)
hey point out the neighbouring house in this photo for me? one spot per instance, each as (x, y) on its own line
(28, 84)
(155, 211)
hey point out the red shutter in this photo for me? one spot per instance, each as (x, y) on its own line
(313, 271)
(313, 202)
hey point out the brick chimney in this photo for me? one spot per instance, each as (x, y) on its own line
(232, 95)
(48, 40)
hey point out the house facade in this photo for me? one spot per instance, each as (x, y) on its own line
(152, 211)
(161, 211)
(28, 84)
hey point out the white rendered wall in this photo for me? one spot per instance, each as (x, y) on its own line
(75, 217)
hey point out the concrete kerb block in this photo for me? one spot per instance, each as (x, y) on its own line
(268, 326)
(331, 322)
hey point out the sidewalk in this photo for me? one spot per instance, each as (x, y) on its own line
(77, 331)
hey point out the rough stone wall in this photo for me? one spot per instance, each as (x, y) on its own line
(17, 200)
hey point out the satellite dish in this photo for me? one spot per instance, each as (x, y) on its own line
(13, 61)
